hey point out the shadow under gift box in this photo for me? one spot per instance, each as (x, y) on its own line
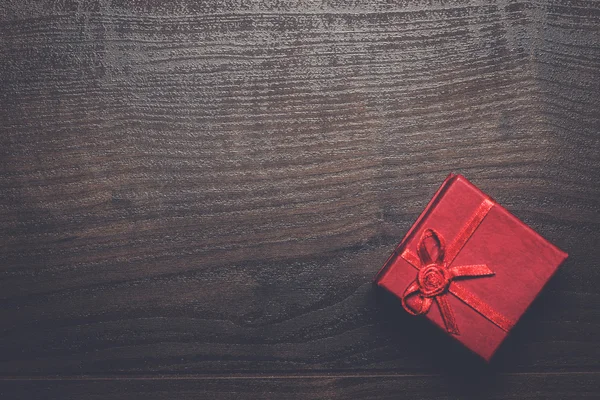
(505, 264)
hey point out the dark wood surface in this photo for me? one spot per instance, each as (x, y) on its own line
(195, 196)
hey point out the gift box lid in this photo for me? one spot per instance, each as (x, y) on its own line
(521, 262)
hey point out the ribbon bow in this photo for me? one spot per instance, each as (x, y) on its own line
(436, 275)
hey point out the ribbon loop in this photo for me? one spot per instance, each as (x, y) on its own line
(410, 290)
(430, 236)
(422, 303)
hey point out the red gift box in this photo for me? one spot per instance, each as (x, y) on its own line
(469, 266)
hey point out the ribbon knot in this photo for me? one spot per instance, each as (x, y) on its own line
(436, 276)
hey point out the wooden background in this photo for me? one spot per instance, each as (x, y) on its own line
(195, 196)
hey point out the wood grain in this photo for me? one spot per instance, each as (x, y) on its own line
(513, 386)
(209, 188)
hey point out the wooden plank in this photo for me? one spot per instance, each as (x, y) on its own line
(311, 315)
(193, 190)
(518, 386)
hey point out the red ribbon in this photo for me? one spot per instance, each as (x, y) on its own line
(436, 276)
